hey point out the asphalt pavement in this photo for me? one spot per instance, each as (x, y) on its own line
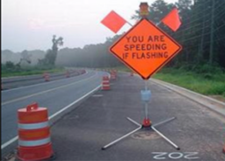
(102, 118)
(21, 81)
(57, 96)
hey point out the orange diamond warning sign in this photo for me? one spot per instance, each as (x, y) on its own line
(145, 48)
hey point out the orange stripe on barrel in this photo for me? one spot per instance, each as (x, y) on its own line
(39, 115)
(34, 134)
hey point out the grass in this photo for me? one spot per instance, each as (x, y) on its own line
(29, 71)
(207, 83)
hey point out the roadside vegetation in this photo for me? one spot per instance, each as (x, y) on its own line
(199, 66)
(25, 67)
(9, 69)
(205, 79)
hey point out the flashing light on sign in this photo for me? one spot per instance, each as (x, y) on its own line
(144, 9)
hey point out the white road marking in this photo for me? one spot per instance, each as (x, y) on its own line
(49, 90)
(54, 115)
(43, 83)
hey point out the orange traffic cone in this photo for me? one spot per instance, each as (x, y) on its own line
(105, 83)
(34, 134)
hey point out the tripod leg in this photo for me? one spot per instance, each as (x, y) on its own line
(163, 122)
(119, 139)
(168, 140)
(131, 120)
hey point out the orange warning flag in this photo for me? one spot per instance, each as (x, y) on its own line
(172, 20)
(113, 21)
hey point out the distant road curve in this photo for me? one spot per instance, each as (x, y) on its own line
(18, 81)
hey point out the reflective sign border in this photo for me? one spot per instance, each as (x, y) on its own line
(158, 68)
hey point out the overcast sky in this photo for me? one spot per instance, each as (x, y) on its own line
(30, 24)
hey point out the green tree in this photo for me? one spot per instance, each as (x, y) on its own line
(202, 31)
(51, 54)
(201, 34)
(9, 65)
(25, 58)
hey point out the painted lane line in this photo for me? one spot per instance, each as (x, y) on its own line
(49, 90)
(9, 142)
(79, 99)
(43, 83)
(55, 114)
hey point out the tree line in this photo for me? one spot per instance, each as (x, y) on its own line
(202, 35)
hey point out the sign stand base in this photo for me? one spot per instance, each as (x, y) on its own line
(150, 127)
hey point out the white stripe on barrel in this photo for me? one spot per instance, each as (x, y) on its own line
(33, 126)
(34, 142)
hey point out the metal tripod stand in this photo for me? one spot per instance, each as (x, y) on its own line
(145, 94)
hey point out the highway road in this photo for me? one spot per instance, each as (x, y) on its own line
(102, 118)
(18, 81)
(54, 95)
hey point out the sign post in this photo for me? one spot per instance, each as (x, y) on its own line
(145, 49)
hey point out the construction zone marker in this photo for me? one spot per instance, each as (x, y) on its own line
(224, 149)
(105, 83)
(46, 76)
(67, 74)
(34, 134)
(113, 74)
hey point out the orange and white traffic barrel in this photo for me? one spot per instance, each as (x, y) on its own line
(224, 149)
(113, 75)
(105, 83)
(34, 141)
(46, 76)
(67, 74)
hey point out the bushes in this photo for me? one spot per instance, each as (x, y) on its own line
(206, 80)
(208, 69)
(10, 69)
(202, 68)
